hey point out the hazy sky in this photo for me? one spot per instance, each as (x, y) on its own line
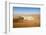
(26, 10)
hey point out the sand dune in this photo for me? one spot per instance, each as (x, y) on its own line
(26, 23)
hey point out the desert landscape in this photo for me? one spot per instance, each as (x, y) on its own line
(30, 20)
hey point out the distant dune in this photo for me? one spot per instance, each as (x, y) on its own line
(19, 21)
(14, 16)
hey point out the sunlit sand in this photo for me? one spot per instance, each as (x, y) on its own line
(26, 21)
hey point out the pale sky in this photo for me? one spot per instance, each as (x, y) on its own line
(25, 10)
